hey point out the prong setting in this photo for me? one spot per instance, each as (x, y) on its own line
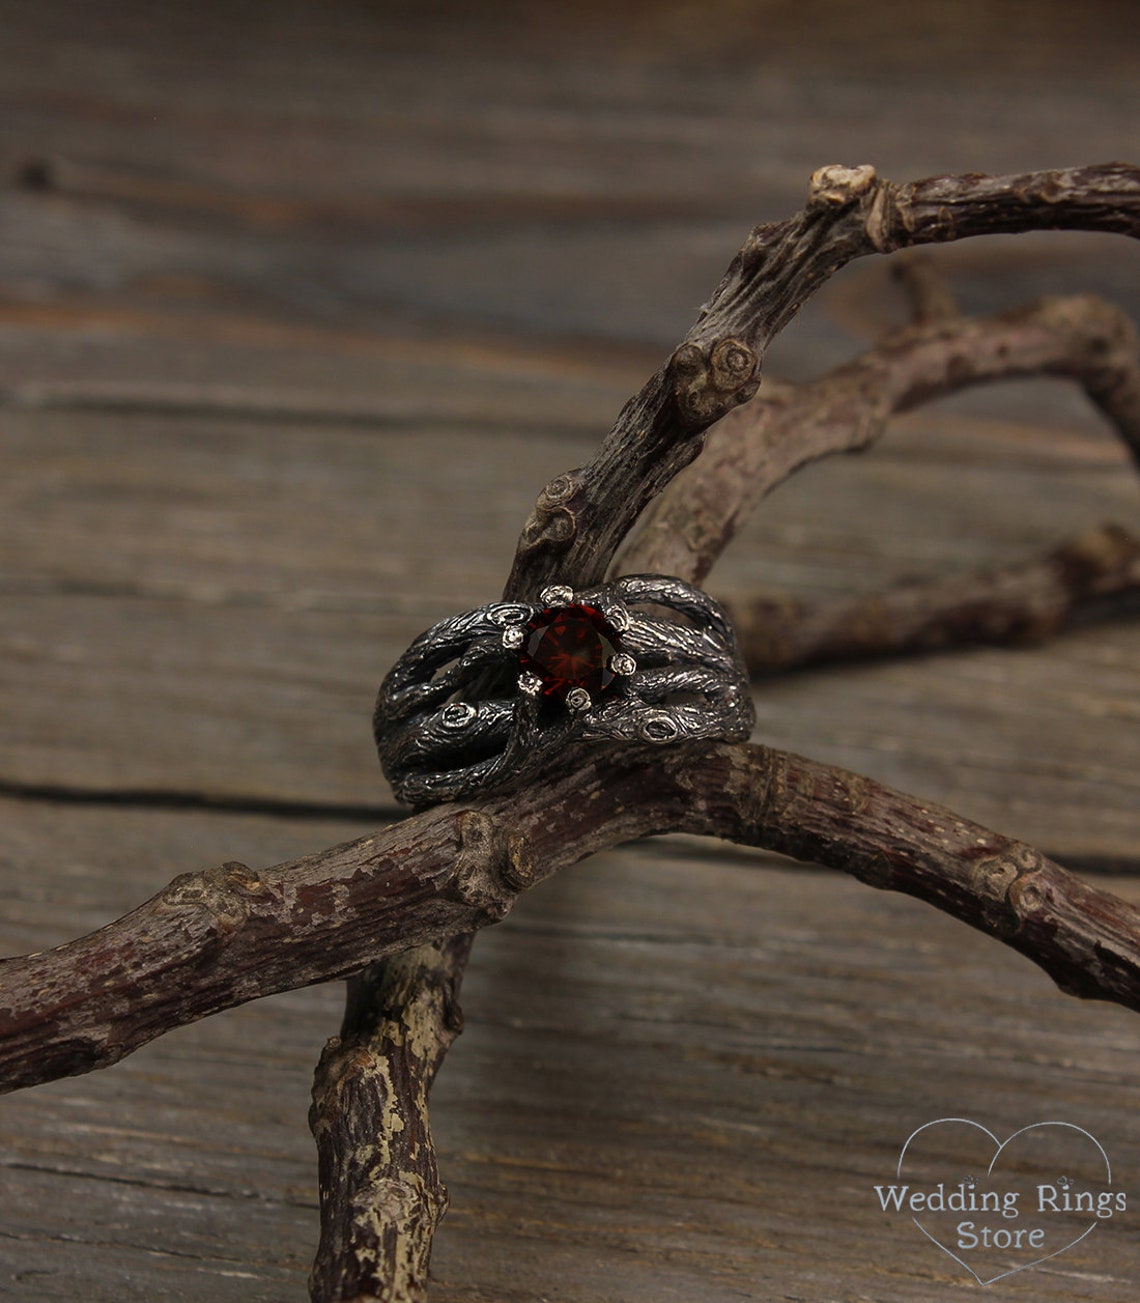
(623, 664)
(514, 637)
(530, 684)
(556, 595)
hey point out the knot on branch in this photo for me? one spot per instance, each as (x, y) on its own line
(491, 866)
(1028, 893)
(837, 186)
(890, 222)
(990, 880)
(223, 892)
(397, 1204)
(553, 524)
(1008, 885)
(705, 385)
(341, 1069)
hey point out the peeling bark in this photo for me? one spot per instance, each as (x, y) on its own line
(380, 1189)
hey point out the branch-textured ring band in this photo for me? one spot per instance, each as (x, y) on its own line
(485, 697)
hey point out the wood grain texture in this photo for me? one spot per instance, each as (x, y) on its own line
(266, 274)
(176, 585)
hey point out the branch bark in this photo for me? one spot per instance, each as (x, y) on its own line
(216, 939)
(582, 517)
(380, 1189)
(1095, 575)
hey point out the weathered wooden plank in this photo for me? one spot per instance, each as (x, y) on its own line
(308, 514)
(207, 507)
(203, 604)
(82, 354)
(627, 282)
(373, 171)
(119, 1247)
(263, 273)
(1041, 746)
(156, 631)
(611, 100)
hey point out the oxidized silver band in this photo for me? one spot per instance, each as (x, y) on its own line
(485, 697)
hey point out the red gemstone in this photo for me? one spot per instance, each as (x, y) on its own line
(570, 647)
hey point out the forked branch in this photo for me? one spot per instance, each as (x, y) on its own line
(582, 517)
(219, 938)
(759, 445)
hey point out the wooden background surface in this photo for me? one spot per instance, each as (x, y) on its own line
(300, 304)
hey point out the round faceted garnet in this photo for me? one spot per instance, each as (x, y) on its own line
(570, 647)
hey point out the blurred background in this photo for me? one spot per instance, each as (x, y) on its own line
(300, 305)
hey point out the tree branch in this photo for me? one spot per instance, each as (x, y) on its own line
(381, 1195)
(758, 446)
(581, 517)
(219, 938)
(1096, 575)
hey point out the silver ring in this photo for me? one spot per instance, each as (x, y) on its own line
(488, 696)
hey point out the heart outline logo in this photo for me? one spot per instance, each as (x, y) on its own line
(999, 1147)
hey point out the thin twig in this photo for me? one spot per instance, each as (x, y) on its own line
(1093, 576)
